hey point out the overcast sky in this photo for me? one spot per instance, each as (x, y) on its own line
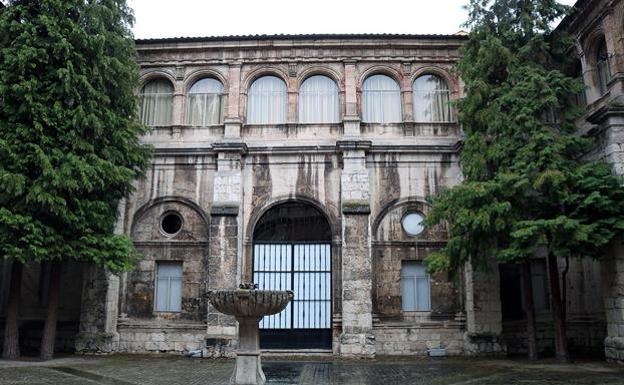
(173, 18)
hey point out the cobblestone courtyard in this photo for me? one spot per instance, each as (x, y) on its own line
(133, 370)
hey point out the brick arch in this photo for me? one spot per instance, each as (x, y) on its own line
(442, 73)
(148, 76)
(260, 72)
(392, 72)
(199, 74)
(321, 70)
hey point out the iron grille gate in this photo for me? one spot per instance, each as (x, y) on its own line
(304, 268)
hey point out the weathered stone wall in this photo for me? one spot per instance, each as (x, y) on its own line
(363, 177)
(483, 311)
(416, 338)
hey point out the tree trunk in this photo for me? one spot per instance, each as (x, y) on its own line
(10, 350)
(561, 338)
(49, 330)
(529, 309)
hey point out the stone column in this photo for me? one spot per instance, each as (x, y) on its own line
(177, 117)
(484, 317)
(357, 338)
(224, 243)
(407, 98)
(613, 288)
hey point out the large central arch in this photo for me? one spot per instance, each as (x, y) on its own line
(292, 250)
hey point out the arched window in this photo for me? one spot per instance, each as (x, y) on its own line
(267, 101)
(431, 99)
(204, 103)
(580, 100)
(381, 100)
(156, 103)
(602, 61)
(318, 100)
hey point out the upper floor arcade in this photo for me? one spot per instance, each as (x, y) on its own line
(312, 89)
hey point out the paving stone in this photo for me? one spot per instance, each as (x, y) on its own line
(167, 369)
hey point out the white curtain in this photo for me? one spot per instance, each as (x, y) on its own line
(169, 286)
(604, 74)
(318, 100)
(204, 105)
(431, 100)
(156, 103)
(381, 100)
(267, 101)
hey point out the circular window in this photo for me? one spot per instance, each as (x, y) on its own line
(412, 224)
(171, 223)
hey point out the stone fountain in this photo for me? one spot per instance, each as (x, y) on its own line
(249, 305)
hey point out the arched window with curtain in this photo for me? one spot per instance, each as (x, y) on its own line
(156, 103)
(602, 61)
(204, 103)
(318, 100)
(431, 99)
(267, 101)
(381, 100)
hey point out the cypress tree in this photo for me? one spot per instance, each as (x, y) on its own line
(69, 138)
(527, 185)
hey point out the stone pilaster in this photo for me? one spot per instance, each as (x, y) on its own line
(177, 117)
(610, 122)
(357, 338)
(351, 119)
(99, 307)
(612, 277)
(232, 119)
(98, 312)
(224, 242)
(484, 318)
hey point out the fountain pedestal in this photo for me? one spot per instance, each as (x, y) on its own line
(249, 306)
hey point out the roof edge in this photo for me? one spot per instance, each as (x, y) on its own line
(458, 36)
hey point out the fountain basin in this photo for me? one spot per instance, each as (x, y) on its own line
(249, 306)
(250, 303)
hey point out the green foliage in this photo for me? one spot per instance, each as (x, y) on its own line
(69, 148)
(526, 184)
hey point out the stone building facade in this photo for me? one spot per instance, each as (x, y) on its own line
(598, 29)
(306, 162)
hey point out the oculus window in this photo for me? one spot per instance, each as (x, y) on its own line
(204, 103)
(267, 101)
(381, 100)
(156, 103)
(412, 224)
(431, 99)
(171, 223)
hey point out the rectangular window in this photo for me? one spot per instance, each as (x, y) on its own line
(169, 286)
(415, 287)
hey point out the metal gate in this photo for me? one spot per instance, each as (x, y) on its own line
(304, 268)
